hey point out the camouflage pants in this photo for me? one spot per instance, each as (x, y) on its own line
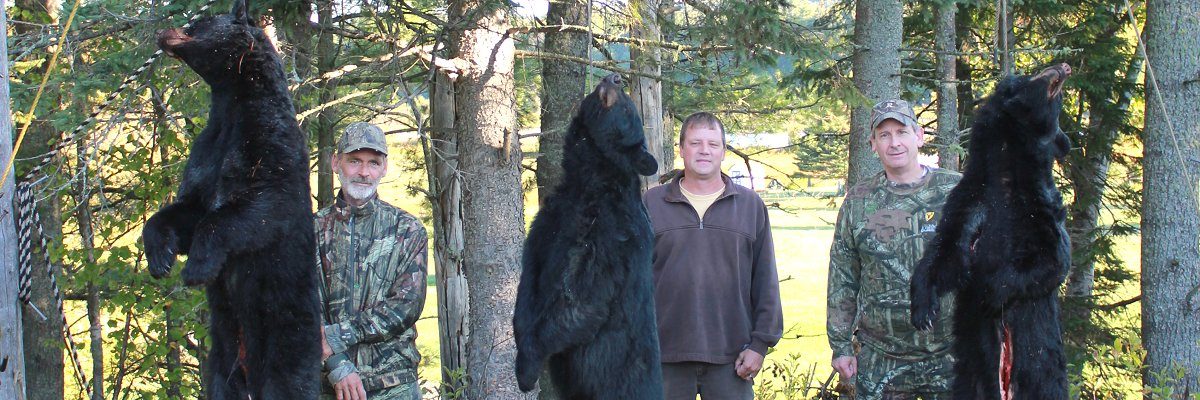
(407, 391)
(881, 377)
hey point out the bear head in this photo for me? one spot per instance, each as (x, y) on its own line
(608, 119)
(1031, 105)
(218, 47)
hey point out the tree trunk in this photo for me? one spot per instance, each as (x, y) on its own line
(87, 243)
(490, 160)
(878, 26)
(12, 375)
(1004, 37)
(1088, 172)
(563, 87)
(1170, 220)
(324, 127)
(966, 92)
(445, 185)
(949, 150)
(42, 336)
(646, 92)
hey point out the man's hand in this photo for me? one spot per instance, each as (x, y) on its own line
(846, 366)
(748, 363)
(326, 351)
(350, 388)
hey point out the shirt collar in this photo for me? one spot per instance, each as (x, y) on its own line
(345, 210)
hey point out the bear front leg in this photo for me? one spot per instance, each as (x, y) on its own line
(1040, 265)
(234, 229)
(945, 266)
(924, 306)
(963, 215)
(167, 234)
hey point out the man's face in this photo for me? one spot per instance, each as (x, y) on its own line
(359, 172)
(702, 151)
(897, 144)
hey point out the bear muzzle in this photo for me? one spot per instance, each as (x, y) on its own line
(170, 39)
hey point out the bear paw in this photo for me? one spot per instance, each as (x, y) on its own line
(528, 368)
(925, 309)
(161, 250)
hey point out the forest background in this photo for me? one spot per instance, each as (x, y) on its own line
(475, 96)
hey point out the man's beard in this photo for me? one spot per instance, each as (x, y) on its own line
(356, 192)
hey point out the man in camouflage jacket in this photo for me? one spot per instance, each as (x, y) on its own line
(372, 258)
(881, 232)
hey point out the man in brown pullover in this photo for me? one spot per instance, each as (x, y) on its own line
(716, 290)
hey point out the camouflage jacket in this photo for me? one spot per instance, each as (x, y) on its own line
(880, 236)
(373, 265)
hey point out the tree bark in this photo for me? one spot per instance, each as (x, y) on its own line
(563, 87)
(87, 243)
(1004, 37)
(445, 185)
(966, 91)
(878, 27)
(646, 92)
(1170, 220)
(493, 221)
(12, 376)
(1088, 172)
(42, 336)
(949, 149)
(324, 127)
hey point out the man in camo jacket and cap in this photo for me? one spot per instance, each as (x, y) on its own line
(881, 232)
(371, 257)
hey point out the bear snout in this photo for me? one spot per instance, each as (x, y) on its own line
(169, 39)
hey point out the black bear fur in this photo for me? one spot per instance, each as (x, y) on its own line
(243, 216)
(586, 296)
(1002, 247)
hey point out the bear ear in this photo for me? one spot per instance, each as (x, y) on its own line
(240, 13)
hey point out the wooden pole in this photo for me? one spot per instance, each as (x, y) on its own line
(12, 359)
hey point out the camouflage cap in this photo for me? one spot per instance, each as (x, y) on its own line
(892, 109)
(362, 135)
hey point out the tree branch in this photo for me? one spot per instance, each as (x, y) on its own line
(605, 65)
(619, 39)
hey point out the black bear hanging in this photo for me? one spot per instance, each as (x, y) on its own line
(1002, 247)
(586, 297)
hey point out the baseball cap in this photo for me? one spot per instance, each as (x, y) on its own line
(893, 109)
(362, 135)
